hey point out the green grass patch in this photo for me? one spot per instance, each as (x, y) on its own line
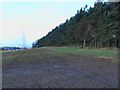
(108, 53)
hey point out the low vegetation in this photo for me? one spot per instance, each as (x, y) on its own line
(104, 53)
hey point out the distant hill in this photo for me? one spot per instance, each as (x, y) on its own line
(96, 27)
(9, 48)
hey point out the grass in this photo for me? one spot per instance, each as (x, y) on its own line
(104, 53)
(29, 55)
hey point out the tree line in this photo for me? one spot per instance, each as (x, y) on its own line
(98, 26)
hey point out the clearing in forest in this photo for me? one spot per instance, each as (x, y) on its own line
(51, 68)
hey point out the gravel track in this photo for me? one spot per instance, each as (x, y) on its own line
(46, 68)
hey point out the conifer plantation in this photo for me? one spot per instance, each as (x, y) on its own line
(97, 27)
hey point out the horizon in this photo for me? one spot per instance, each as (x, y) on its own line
(35, 19)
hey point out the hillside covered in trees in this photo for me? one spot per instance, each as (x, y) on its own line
(94, 27)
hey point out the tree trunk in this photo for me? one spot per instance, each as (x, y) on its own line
(84, 43)
(108, 44)
(95, 45)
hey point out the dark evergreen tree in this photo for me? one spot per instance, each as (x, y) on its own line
(96, 27)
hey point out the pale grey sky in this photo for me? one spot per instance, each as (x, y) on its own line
(36, 19)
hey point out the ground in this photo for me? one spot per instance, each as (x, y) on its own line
(49, 68)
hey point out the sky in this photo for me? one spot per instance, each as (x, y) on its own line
(33, 20)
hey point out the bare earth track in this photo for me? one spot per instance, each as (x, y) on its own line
(46, 68)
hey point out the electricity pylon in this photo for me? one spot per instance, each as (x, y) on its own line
(24, 40)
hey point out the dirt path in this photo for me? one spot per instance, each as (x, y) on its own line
(44, 68)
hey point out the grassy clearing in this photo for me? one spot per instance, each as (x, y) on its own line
(104, 53)
(8, 56)
(29, 55)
